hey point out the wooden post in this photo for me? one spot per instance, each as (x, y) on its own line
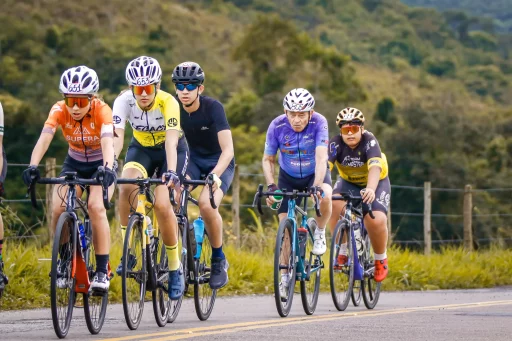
(116, 203)
(235, 206)
(427, 231)
(49, 173)
(390, 235)
(467, 212)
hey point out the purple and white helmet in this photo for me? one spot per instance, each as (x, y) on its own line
(299, 100)
(142, 71)
(79, 80)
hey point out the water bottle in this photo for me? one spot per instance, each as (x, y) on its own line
(81, 229)
(303, 238)
(149, 230)
(199, 233)
(278, 199)
(359, 240)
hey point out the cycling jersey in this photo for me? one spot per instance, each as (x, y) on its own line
(202, 126)
(354, 164)
(297, 150)
(1, 120)
(149, 126)
(84, 136)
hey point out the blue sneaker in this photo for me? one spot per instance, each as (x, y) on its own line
(176, 283)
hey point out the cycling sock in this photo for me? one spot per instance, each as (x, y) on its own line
(1, 245)
(102, 263)
(381, 256)
(344, 249)
(217, 252)
(173, 257)
(123, 232)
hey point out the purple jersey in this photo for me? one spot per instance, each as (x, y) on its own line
(297, 150)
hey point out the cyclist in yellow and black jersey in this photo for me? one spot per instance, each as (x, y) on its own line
(158, 148)
(362, 168)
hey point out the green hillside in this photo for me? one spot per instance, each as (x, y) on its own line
(436, 94)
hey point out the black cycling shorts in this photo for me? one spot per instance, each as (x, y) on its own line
(382, 193)
(152, 161)
(288, 182)
(200, 166)
(84, 170)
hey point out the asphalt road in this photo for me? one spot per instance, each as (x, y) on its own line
(433, 315)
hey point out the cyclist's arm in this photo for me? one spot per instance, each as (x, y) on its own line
(228, 152)
(107, 149)
(373, 178)
(374, 155)
(171, 145)
(321, 165)
(268, 163)
(118, 141)
(41, 147)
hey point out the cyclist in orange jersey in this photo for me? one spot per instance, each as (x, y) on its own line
(86, 124)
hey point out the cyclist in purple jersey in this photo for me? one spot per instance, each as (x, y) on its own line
(301, 136)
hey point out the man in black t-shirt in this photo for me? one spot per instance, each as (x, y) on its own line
(206, 128)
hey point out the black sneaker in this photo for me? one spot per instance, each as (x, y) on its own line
(132, 261)
(219, 273)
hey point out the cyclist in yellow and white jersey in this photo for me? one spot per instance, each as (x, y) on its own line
(155, 150)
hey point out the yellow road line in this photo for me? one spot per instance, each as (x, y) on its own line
(243, 326)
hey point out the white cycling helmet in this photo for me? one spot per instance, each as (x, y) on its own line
(79, 80)
(298, 100)
(143, 71)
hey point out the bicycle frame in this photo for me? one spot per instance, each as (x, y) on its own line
(350, 217)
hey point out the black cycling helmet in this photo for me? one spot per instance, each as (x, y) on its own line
(188, 72)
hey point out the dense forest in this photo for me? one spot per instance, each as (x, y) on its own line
(435, 86)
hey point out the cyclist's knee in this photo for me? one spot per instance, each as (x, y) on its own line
(206, 208)
(96, 208)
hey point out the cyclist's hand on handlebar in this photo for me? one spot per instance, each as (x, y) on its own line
(217, 182)
(109, 176)
(270, 199)
(171, 179)
(368, 195)
(30, 174)
(319, 192)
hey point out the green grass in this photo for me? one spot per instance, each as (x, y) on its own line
(252, 272)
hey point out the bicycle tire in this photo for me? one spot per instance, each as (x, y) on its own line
(135, 226)
(95, 306)
(340, 230)
(310, 297)
(285, 228)
(68, 252)
(204, 296)
(176, 305)
(159, 296)
(371, 288)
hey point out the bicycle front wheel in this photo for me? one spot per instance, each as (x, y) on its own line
(310, 286)
(159, 296)
(134, 275)
(95, 305)
(341, 275)
(175, 306)
(204, 296)
(62, 286)
(370, 288)
(284, 268)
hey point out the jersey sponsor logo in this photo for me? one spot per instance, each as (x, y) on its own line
(287, 137)
(205, 128)
(159, 118)
(74, 87)
(172, 122)
(131, 104)
(325, 127)
(370, 144)
(92, 125)
(300, 164)
(384, 199)
(69, 125)
(374, 162)
(80, 139)
(148, 129)
(333, 148)
(80, 132)
(287, 151)
(352, 162)
(142, 81)
(117, 119)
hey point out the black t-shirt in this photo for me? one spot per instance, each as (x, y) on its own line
(201, 126)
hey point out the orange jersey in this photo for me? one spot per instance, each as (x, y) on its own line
(84, 136)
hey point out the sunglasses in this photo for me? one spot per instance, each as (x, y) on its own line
(351, 128)
(189, 87)
(82, 102)
(149, 89)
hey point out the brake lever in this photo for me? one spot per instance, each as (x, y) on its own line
(257, 199)
(32, 191)
(209, 182)
(317, 202)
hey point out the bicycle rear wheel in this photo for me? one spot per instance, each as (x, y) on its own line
(134, 275)
(95, 306)
(341, 276)
(370, 288)
(284, 264)
(204, 296)
(356, 293)
(310, 287)
(62, 286)
(159, 296)
(176, 305)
